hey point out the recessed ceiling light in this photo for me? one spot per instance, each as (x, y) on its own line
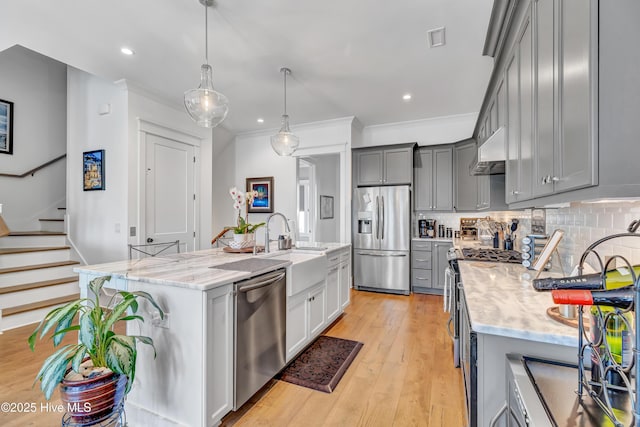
(127, 51)
(436, 37)
(260, 120)
(406, 97)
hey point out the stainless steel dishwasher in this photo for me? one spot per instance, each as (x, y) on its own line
(259, 333)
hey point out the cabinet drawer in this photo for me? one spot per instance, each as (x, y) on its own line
(421, 246)
(421, 260)
(333, 259)
(421, 278)
(345, 256)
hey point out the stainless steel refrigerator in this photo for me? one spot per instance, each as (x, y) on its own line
(382, 238)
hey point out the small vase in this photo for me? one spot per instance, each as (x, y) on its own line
(245, 240)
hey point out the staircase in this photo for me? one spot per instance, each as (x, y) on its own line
(36, 273)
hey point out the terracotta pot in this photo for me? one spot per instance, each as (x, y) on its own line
(93, 398)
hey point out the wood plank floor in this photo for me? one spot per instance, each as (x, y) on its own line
(403, 376)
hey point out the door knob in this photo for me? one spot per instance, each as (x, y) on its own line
(149, 240)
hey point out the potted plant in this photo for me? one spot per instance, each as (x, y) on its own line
(243, 231)
(96, 373)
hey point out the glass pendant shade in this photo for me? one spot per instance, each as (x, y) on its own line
(206, 106)
(284, 143)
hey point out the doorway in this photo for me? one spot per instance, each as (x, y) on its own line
(169, 191)
(319, 177)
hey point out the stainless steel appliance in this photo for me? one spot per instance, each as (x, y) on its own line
(422, 228)
(451, 280)
(492, 255)
(469, 228)
(382, 238)
(259, 333)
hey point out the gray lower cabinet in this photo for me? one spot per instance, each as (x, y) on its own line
(428, 265)
(387, 166)
(433, 170)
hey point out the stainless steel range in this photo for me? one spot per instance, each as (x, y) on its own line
(490, 254)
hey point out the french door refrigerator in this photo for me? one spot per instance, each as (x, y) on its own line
(382, 238)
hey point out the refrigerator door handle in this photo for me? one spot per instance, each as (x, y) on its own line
(381, 255)
(377, 217)
(382, 225)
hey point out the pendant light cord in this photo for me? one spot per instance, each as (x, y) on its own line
(284, 72)
(206, 34)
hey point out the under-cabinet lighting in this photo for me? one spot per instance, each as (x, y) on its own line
(406, 97)
(127, 51)
(260, 120)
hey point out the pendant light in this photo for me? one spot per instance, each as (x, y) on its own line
(284, 143)
(206, 106)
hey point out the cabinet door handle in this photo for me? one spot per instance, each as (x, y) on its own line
(333, 269)
(555, 179)
(422, 260)
(515, 192)
(421, 278)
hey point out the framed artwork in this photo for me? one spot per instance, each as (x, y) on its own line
(263, 202)
(93, 170)
(326, 207)
(6, 127)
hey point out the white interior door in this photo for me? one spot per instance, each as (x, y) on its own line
(169, 192)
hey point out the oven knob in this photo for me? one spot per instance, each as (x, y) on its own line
(526, 263)
(526, 255)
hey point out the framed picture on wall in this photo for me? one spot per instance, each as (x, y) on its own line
(93, 170)
(326, 207)
(6, 127)
(263, 201)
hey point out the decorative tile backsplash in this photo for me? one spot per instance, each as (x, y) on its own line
(584, 223)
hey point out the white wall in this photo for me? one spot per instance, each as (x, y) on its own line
(95, 216)
(254, 157)
(224, 158)
(439, 130)
(327, 178)
(37, 86)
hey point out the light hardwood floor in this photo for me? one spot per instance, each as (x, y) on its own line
(403, 376)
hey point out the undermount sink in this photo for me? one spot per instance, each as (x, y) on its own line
(305, 270)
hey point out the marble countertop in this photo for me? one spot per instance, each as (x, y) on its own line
(502, 301)
(191, 269)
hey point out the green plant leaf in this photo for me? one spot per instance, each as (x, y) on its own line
(57, 314)
(63, 327)
(119, 310)
(54, 368)
(149, 298)
(120, 355)
(132, 317)
(96, 284)
(147, 341)
(78, 357)
(87, 334)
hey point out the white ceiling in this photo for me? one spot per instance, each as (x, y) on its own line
(348, 57)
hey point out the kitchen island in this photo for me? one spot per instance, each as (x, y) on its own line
(501, 314)
(190, 383)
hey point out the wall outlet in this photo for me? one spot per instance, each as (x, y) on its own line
(117, 228)
(132, 232)
(159, 322)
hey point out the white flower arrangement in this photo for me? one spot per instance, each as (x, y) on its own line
(241, 199)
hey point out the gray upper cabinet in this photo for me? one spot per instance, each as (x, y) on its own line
(369, 167)
(475, 192)
(433, 169)
(576, 143)
(398, 164)
(519, 80)
(565, 87)
(466, 191)
(383, 167)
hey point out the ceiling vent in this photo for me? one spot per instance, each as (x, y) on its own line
(436, 37)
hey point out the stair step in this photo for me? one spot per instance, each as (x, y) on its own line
(39, 304)
(9, 251)
(36, 267)
(19, 257)
(29, 239)
(35, 285)
(37, 233)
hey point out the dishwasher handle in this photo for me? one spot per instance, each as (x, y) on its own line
(261, 283)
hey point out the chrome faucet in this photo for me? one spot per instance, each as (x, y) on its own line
(266, 229)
